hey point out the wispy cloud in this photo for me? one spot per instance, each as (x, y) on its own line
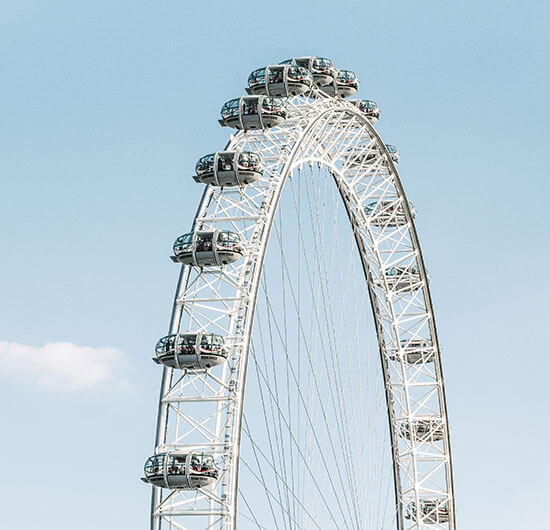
(65, 367)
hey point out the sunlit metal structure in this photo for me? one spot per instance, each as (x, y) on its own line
(205, 356)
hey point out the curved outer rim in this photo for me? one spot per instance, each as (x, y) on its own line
(289, 166)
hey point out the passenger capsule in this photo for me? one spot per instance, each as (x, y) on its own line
(394, 153)
(205, 249)
(403, 278)
(322, 69)
(228, 168)
(253, 112)
(281, 80)
(345, 84)
(431, 511)
(422, 430)
(181, 470)
(414, 351)
(369, 108)
(387, 213)
(191, 351)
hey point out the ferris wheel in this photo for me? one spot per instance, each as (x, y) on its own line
(283, 403)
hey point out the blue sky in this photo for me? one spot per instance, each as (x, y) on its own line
(105, 108)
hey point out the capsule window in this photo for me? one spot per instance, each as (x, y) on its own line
(176, 465)
(230, 109)
(295, 73)
(205, 164)
(184, 243)
(303, 62)
(204, 243)
(250, 106)
(225, 162)
(248, 160)
(321, 64)
(154, 465)
(272, 104)
(165, 344)
(345, 76)
(212, 342)
(227, 239)
(188, 341)
(202, 463)
(276, 74)
(257, 77)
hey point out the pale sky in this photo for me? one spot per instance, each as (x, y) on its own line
(105, 108)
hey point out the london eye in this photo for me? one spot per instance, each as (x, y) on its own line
(302, 384)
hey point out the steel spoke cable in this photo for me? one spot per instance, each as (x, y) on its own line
(314, 432)
(268, 424)
(300, 453)
(278, 432)
(253, 518)
(316, 383)
(328, 286)
(253, 473)
(331, 381)
(283, 290)
(270, 447)
(322, 274)
(257, 449)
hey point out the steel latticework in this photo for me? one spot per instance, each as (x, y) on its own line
(201, 410)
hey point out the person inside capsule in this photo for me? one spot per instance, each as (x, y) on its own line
(225, 162)
(227, 240)
(250, 106)
(273, 105)
(249, 161)
(346, 77)
(204, 243)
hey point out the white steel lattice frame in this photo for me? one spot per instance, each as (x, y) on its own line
(202, 410)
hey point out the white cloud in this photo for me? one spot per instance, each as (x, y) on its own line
(62, 366)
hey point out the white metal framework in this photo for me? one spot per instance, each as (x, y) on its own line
(202, 410)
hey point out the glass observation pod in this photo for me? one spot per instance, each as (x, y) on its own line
(387, 213)
(345, 84)
(191, 351)
(369, 108)
(403, 278)
(204, 249)
(180, 471)
(431, 511)
(321, 69)
(281, 80)
(414, 351)
(253, 112)
(228, 168)
(422, 430)
(394, 153)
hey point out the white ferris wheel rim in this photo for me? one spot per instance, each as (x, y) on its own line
(331, 115)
